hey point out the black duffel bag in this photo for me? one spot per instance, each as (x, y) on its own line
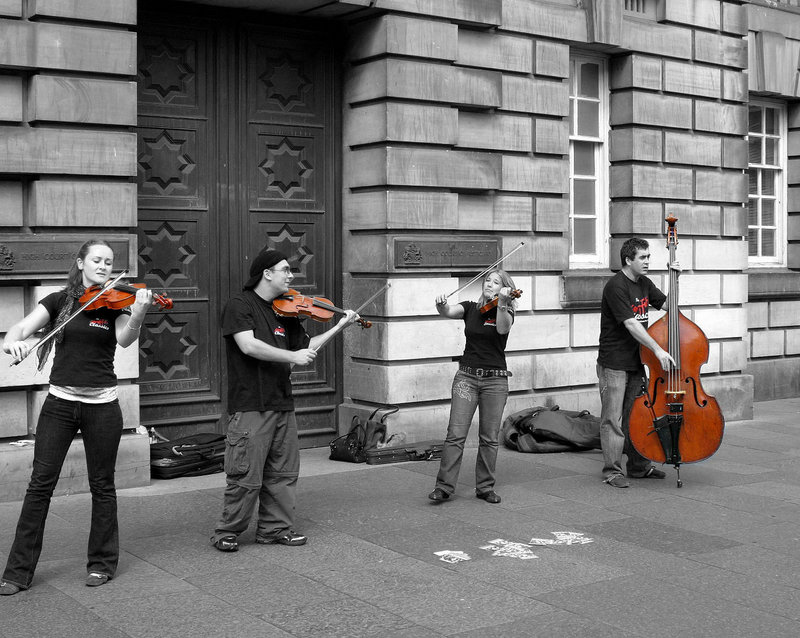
(193, 455)
(540, 430)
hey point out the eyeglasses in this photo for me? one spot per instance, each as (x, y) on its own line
(286, 270)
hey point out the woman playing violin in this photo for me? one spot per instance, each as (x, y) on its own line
(481, 382)
(82, 396)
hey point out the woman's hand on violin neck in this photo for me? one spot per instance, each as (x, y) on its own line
(144, 299)
(504, 294)
(303, 357)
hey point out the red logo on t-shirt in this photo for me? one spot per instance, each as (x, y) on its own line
(640, 309)
(99, 323)
(280, 331)
(490, 322)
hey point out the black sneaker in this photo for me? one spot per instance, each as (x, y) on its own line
(289, 538)
(95, 579)
(650, 472)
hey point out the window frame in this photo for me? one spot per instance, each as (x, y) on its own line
(599, 259)
(781, 188)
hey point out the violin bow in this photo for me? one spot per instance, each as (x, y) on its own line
(337, 329)
(109, 284)
(483, 272)
(373, 297)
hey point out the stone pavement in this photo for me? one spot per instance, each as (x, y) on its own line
(718, 557)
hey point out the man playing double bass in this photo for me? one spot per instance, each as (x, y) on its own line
(623, 327)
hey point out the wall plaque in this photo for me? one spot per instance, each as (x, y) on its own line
(51, 256)
(445, 253)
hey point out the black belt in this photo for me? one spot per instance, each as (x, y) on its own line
(485, 372)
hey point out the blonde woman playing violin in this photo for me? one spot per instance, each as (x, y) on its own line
(481, 382)
(82, 396)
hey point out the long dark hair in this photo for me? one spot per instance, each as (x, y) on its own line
(505, 279)
(75, 275)
(74, 290)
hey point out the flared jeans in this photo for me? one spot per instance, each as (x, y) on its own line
(100, 425)
(488, 395)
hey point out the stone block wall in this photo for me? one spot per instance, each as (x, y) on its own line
(773, 309)
(67, 170)
(457, 126)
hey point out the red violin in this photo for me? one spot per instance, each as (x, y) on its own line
(294, 304)
(514, 294)
(119, 296)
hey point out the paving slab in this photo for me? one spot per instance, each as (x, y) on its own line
(717, 557)
(627, 603)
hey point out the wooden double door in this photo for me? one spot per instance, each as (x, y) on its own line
(238, 150)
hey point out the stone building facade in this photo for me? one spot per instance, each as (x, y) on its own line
(409, 142)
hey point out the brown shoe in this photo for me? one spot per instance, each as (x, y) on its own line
(490, 497)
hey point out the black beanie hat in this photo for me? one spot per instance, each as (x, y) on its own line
(265, 259)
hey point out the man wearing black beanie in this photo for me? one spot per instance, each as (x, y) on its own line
(262, 456)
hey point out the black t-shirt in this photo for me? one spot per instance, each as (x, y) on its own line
(624, 299)
(85, 356)
(485, 347)
(253, 384)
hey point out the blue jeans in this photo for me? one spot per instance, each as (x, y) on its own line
(101, 427)
(468, 393)
(618, 389)
(262, 461)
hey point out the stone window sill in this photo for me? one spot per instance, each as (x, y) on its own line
(772, 285)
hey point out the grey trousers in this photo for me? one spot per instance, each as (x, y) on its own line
(262, 461)
(618, 389)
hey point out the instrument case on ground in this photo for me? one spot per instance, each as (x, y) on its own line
(193, 455)
(420, 451)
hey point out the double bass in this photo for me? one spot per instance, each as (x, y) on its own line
(675, 421)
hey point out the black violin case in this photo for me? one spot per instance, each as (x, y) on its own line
(193, 455)
(421, 451)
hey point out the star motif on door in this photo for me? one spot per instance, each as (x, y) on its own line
(162, 251)
(292, 243)
(163, 162)
(167, 347)
(165, 70)
(285, 82)
(285, 167)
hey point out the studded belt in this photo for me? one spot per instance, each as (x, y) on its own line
(485, 372)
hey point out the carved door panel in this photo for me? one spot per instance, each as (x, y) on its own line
(180, 383)
(289, 169)
(220, 177)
